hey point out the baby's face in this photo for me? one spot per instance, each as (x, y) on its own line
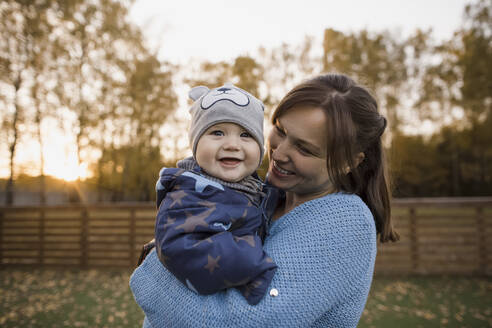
(228, 152)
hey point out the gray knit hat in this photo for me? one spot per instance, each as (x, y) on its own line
(225, 104)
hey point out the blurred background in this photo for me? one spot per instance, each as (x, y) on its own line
(93, 102)
(93, 94)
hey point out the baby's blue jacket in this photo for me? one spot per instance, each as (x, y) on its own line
(207, 235)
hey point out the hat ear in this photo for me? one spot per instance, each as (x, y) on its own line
(197, 92)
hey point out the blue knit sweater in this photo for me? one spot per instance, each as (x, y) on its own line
(325, 250)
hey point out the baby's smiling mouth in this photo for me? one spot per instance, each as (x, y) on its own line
(230, 161)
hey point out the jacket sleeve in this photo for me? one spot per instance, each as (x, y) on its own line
(203, 254)
(319, 266)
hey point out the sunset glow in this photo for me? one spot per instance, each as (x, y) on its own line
(69, 172)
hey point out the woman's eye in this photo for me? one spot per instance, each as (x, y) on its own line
(279, 130)
(217, 133)
(245, 135)
(304, 150)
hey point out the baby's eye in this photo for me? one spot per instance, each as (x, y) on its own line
(218, 133)
(245, 135)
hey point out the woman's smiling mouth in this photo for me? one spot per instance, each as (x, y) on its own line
(281, 170)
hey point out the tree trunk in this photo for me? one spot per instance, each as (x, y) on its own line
(9, 200)
(42, 180)
(77, 182)
(100, 178)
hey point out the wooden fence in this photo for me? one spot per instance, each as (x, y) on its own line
(438, 236)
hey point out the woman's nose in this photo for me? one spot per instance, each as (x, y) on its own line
(279, 152)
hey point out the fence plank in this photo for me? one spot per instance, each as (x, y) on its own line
(482, 247)
(84, 217)
(1, 237)
(41, 237)
(132, 237)
(414, 250)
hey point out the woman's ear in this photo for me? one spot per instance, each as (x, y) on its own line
(358, 159)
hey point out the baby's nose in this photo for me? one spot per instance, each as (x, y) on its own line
(231, 143)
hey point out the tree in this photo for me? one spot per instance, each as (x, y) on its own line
(457, 86)
(284, 67)
(245, 72)
(374, 59)
(100, 54)
(23, 26)
(209, 74)
(248, 74)
(474, 57)
(152, 99)
(131, 158)
(415, 167)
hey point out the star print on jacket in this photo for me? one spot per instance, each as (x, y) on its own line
(192, 221)
(212, 263)
(177, 197)
(170, 222)
(207, 235)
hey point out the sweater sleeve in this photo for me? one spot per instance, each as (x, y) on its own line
(325, 251)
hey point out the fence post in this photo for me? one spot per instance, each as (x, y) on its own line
(414, 249)
(482, 251)
(132, 238)
(1, 237)
(83, 237)
(41, 236)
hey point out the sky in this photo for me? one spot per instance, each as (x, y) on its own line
(221, 30)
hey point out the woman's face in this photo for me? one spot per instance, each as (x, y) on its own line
(297, 148)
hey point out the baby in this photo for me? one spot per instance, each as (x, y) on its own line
(211, 218)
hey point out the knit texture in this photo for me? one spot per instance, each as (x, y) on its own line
(325, 250)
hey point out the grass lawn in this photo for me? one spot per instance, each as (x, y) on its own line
(97, 298)
(437, 301)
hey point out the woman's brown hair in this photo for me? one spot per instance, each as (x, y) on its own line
(354, 126)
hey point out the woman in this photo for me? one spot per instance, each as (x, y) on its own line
(326, 156)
